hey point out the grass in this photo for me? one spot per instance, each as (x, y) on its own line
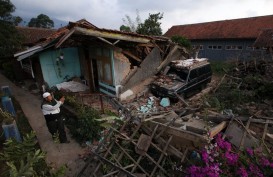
(221, 67)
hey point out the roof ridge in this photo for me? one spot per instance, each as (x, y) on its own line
(216, 21)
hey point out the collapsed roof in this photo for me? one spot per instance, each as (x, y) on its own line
(83, 33)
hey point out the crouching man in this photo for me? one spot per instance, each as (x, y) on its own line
(54, 121)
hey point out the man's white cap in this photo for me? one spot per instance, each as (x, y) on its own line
(46, 94)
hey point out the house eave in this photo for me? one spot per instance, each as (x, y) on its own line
(112, 35)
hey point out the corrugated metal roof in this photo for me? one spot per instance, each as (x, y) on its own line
(247, 28)
(265, 38)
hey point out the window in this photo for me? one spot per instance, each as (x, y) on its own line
(257, 48)
(234, 47)
(193, 74)
(201, 47)
(215, 47)
(249, 48)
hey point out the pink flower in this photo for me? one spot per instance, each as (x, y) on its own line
(264, 162)
(213, 170)
(255, 170)
(205, 156)
(195, 171)
(249, 151)
(242, 172)
(222, 143)
(231, 158)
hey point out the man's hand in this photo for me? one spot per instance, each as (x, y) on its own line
(62, 99)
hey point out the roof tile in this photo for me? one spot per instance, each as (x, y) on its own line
(227, 29)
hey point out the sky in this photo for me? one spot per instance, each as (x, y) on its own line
(109, 14)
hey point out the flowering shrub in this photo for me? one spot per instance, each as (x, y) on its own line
(219, 159)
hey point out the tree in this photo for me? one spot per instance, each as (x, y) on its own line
(181, 41)
(10, 40)
(125, 28)
(130, 25)
(151, 26)
(42, 21)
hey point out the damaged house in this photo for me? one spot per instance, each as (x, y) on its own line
(157, 142)
(104, 60)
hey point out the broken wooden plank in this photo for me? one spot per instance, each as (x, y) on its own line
(245, 132)
(114, 165)
(132, 159)
(219, 118)
(113, 172)
(131, 55)
(111, 35)
(265, 129)
(161, 155)
(147, 155)
(181, 133)
(216, 129)
(139, 174)
(143, 144)
(181, 99)
(234, 134)
(174, 54)
(171, 149)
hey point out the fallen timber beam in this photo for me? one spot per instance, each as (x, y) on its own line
(219, 118)
(181, 133)
(218, 128)
(115, 166)
(131, 55)
(171, 149)
(146, 155)
(111, 173)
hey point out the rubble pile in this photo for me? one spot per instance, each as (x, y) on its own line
(160, 138)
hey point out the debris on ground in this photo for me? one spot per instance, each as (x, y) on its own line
(159, 138)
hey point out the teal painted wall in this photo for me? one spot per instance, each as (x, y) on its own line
(55, 73)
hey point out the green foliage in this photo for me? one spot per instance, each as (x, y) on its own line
(10, 39)
(23, 159)
(17, 20)
(26, 167)
(260, 87)
(71, 101)
(8, 70)
(151, 26)
(6, 8)
(109, 121)
(125, 28)
(5, 117)
(181, 41)
(86, 127)
(42, 21)
(221, 67)
(130, 25)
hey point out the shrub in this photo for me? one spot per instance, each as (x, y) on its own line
(85, 127)
(220, 159)
(23, 159)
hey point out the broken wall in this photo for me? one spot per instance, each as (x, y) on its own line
(121, 67)
(147, 69)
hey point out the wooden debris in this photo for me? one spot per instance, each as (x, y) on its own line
(217, 129)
